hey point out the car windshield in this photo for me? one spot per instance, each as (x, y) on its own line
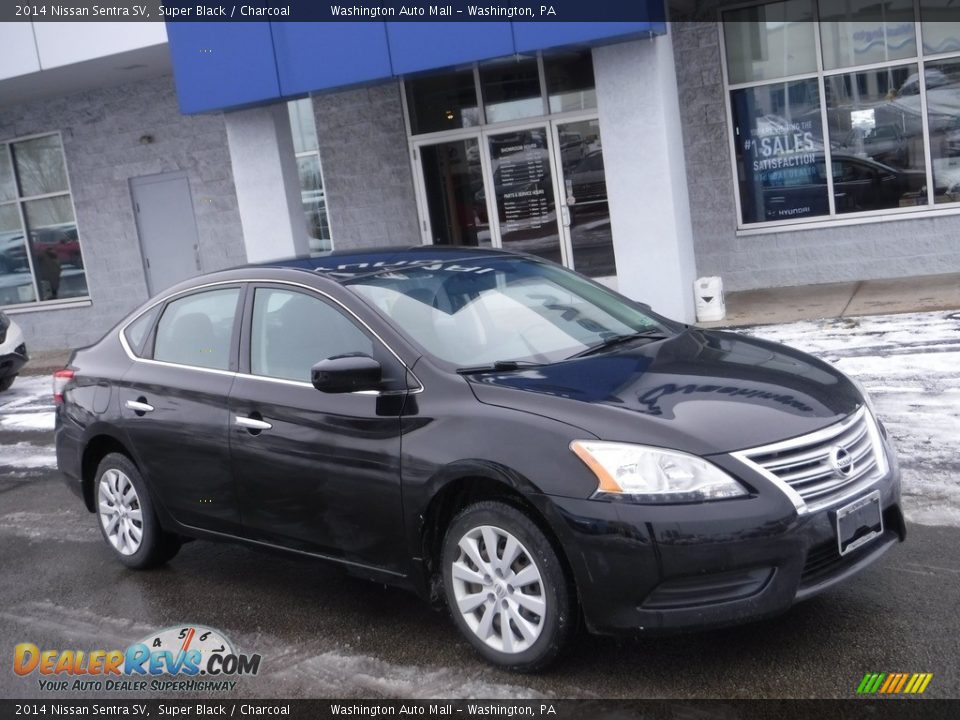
(477, 312)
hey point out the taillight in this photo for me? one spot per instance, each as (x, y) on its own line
(60, 380)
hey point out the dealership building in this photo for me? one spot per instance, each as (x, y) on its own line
(771, 144)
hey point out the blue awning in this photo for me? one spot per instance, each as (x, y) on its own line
(223, 65)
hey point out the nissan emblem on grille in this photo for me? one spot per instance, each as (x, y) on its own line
(841, 460)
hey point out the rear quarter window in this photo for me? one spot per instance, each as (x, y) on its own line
(136, 332)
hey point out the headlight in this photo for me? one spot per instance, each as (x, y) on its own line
(652, 475)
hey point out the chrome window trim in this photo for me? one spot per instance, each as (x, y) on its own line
(297, 383)
(816, 437)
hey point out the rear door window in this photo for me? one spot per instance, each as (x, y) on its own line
(198, 330)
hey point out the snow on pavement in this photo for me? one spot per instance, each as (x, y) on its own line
(909, 363)
(27, 406)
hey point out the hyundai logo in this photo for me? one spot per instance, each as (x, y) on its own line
(841, 461)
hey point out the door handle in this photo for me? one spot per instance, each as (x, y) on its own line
(251, 424)
(139, 407)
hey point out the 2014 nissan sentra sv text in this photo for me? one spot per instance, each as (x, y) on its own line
(488, 429)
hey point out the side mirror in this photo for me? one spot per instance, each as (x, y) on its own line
(346, 373)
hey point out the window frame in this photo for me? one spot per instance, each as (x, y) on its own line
(412, 384)
(380, 351)
(323, 181)
(833, 219)
(148, 348)
(19, 200)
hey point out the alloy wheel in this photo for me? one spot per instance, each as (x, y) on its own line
(498, 589)
(120, 512)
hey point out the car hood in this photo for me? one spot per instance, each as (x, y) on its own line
(700, 391)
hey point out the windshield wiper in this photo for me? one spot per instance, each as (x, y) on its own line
(649, 334)
(499, 365)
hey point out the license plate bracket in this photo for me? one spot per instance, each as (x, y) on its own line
(859, 522)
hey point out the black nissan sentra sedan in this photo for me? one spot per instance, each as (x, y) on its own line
(488, 429)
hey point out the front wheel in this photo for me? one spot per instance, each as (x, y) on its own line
(127, 520)
(506, 588)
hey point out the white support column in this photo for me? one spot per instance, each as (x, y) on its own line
(267, 182)
(646, 177)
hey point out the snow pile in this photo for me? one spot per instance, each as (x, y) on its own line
(23, 455)
(910, 365)
(28, 405)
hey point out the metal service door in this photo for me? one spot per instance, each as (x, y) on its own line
(168, 229)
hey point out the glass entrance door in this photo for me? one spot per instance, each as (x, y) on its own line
(452, 181)
(523, 186)
(584, 209)
(538, 188)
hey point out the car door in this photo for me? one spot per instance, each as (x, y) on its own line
(174, 405)
(316, 472)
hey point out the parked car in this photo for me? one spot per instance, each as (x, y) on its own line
(13, 253)
(13, 351)
(61, 241)
(488, 429)
(859, 184)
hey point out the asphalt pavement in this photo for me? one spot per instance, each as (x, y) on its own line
(322, 633)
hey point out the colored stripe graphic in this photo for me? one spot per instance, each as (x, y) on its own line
(894, 683)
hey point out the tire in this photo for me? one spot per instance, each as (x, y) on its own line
(473, 589)
(6, 382)
(124, 510)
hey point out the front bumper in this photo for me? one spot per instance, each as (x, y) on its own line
(685, 567)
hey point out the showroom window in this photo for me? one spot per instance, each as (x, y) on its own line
(312, 192)
(40, 256)
(841, 109)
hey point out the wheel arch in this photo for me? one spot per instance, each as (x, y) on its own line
(95, 449)
(467, 488)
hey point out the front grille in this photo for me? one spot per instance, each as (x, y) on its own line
(812, 465)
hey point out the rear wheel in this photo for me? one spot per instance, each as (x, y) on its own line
(506, 589)
(127, 520)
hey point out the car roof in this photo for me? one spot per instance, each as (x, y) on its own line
(346, 265)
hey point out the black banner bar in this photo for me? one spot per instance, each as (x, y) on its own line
(854, 709)
(333, 11)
